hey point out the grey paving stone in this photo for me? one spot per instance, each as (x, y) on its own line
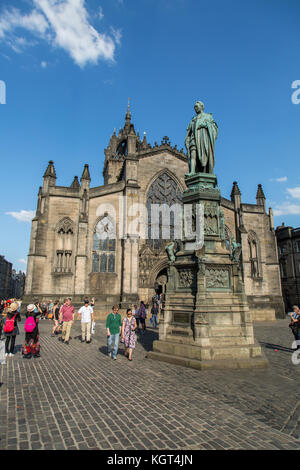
(169, 407)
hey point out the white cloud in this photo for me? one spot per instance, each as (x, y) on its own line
(64, 24)
(43, 64)
(282, 179)
(22, 260)
(22, 216)
(294, 192)
(286, 208)
(100, 14)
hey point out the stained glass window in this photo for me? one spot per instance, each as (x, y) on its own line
(164, 190)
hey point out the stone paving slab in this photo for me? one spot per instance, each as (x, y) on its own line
(75, 397)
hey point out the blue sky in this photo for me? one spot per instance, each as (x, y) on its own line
(70, 65)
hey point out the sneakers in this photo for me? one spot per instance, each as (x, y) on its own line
(66, 342)
(6, 354)
(114, 358)
(109, 354)
(11, 354)
(88, 342)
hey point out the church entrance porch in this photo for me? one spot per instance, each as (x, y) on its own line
(161, 282)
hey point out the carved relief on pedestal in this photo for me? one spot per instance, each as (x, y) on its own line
(217, 278)
(211, 218)
(186, 278)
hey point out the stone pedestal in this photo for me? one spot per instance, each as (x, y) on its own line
(205, 320)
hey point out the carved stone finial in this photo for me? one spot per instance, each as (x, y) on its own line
(86, 173)
(75, 184)
(50, 171)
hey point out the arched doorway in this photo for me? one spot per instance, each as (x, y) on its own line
(161, 282)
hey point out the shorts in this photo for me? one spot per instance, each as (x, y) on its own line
(142, 320)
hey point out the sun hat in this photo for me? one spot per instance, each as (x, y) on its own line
(30, 308)
(14, 306)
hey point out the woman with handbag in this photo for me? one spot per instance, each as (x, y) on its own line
(128, 333)
(11, 329)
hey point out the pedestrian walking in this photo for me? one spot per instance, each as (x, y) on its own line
(50, 310)
(31, 347)
(135, 313)
(67, 313)
(154, 313)
(1, 316)
(113, 330)
(295, 324)
(128, 333)
(142, 313)
(38, 309)
(11, 329)
(55, 313)
(44, 308)
(86, 314)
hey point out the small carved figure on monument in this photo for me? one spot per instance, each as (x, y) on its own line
(173, 248)
(222, 224)
(236, 251)
(200, 140)
(170, 249)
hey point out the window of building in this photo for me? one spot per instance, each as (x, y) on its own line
(64, 246)
(104, 247)
(164, 190)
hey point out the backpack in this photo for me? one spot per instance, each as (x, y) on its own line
(29, 325)
(9, 324)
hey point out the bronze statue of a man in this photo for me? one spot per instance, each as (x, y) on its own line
(200, 140)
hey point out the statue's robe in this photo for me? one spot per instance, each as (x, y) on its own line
(202, 132)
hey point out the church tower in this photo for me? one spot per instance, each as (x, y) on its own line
(120, 148)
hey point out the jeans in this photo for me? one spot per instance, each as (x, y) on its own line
(154, 320)
(113, 339)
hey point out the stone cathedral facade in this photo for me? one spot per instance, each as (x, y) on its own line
(68, 256)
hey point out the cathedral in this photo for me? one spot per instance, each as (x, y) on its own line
(93, 241)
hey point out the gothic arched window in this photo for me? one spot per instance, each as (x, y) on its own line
(164, 190)
(104, 246)
(64, 246)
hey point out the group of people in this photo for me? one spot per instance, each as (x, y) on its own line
(63, 317)
(295, 324)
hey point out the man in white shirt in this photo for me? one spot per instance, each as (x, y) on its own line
(86, 314)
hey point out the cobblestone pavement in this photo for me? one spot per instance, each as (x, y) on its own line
(75, 397)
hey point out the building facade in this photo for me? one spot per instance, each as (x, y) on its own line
(288, 241)
(5, 278)
(95, 240)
